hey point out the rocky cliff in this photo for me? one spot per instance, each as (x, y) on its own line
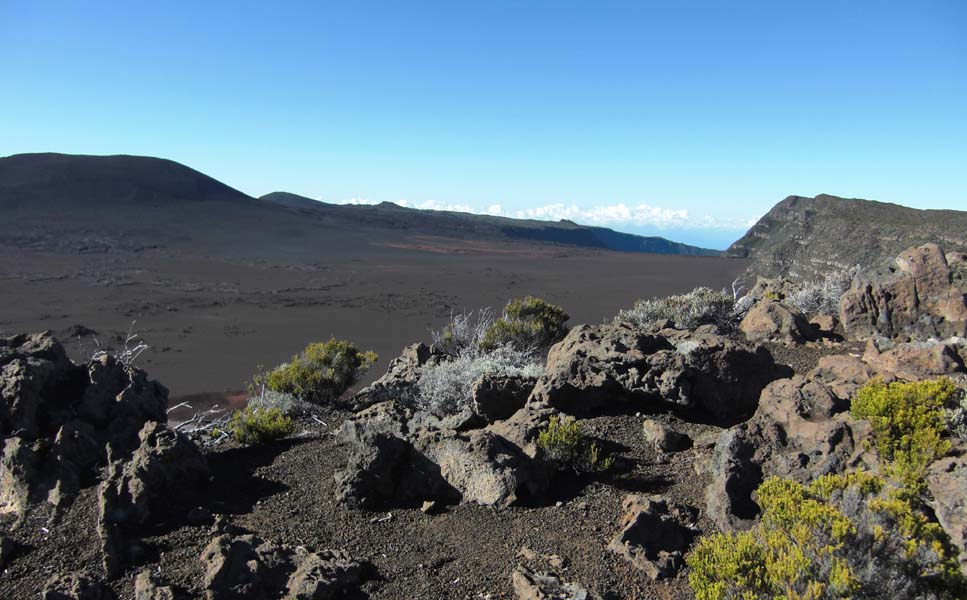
(802, 238)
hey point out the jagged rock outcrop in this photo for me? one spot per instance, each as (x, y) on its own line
(539, 585)
(57, 419)
(947, 483)
(664, 438)
(166, 472)
(400, 378)
(803, 238)
(148, 587)
(919, 300)
(394, 459)
(801, 431)
(245, 567)
(597, 366)
(76, 586)
(915, 361)
(770, 320)
(655, 534)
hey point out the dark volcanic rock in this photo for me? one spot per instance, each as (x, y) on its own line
(76, 586)
(804, 238)
(947, 482)
(770, 320)
(400, 378)
(655, 534)
(537, 585)
(597, 366)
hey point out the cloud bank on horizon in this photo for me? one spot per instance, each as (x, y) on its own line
(611, 215)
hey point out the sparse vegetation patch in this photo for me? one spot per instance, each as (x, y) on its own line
(253, 426)
(564, 443)
(321, 373)
(700, 306)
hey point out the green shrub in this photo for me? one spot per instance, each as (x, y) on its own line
(909, 423)
(253, 426)
(528, 324)
(700, 306)
(842, 536)
(563, 442)
(321, 373)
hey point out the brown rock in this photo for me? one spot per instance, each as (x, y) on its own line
(824, 323)
(947, 482)
(770, 320)
(913, 361)
(76, 586)
(147, 587)
(664, 438)
(537, 585)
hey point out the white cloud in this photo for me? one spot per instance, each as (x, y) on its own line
(608, 215)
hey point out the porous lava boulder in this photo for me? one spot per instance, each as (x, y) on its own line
(915, 361)
(245, 567)
(595, 367)
(148, 587)
(57, 419)
(770, 320)
(663, 438)
(163, 476)
(920, 299)
(800, 431)
(654, 534)
(400, 378)
(497, 397)
(76, 586)
(947, 483)
(395, 461)
(539, 585)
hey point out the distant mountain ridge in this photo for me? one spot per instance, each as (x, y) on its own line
(126, 191)
(803, 238)
(452, 222)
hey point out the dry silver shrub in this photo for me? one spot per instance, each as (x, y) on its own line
(445, 387)
(700, 306)
(464, 332)
(288, 404)
(822, 297)
(956, 415)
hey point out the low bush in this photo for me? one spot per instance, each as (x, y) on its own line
(445, 387)
(700, 306)
(909, 423)
(529, 324)
(563, 442)
(822, 297)
(842, 536)
(955, 413)
(253, 426)
(288, 404)
(321, 373)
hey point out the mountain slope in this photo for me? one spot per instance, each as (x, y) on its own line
(467, 224)
(803, 238)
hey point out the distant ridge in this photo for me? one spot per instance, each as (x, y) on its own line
(469, 224)
(804, 238)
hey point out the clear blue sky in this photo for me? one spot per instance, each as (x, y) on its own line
(707, 113)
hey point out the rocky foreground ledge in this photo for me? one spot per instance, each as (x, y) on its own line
(385, 498)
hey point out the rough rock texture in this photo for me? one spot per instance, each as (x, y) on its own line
(919, 300)
(654, 534)
(57, 419)
(246, 567)
(537, 585)
(800, 431)
(947, 482)
(395, 461)
(75, 586)
(400, 378)
(914, 361)
(770, 320)
(597, 366)
(804, 238)
(147, 587)
(166, 471)
(497, 398)
(664, 438)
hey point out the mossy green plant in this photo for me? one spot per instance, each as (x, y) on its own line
(321, 373)
(253, 426)
(563, 442)
(529, 324)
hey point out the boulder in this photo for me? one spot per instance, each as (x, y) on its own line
(654, 534)
(664, 438)
(58, 419)
(147, 587)
(246, 567)
(947, 483)
(801, 431)
(917, 301)
(770, 320)
(523, 427)
(496, 398)
(400, 378)
(75, 586)
(596, 367)
(166, 472)
(824, 324)
(913, 361)
(538, 585)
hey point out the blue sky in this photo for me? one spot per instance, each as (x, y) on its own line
(686, 119)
